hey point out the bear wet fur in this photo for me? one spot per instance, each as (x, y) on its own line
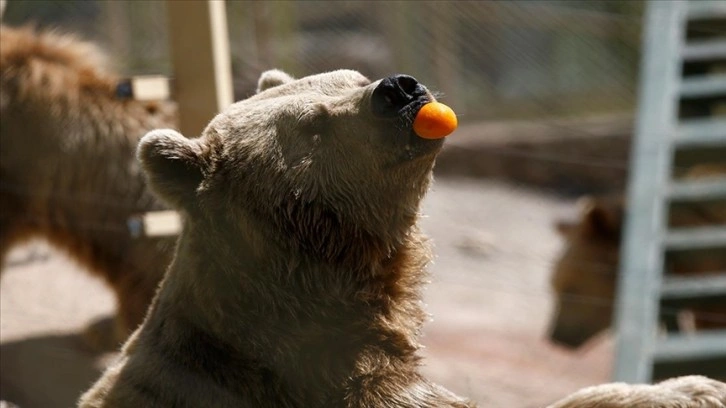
(68, 171)
(297, 277)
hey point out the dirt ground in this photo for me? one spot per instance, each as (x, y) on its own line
(489, 301)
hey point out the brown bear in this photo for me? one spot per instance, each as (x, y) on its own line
(584, 276)
(691, 391)
(297, 276)
(68, 171)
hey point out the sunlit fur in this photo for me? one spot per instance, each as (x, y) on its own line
(297, 278)
(682, 392)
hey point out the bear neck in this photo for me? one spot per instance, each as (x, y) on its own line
(345, 227)
(309, 322)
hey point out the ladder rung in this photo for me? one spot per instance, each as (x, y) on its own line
(697, 190)
(706, 9)
(696, 132)
(703, 86)
(680, 287)
(704, 50)
(703, 344)
(695, 238)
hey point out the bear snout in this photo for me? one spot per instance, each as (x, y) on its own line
(568, 336)
(394, 93)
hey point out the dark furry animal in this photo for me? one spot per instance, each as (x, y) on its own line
(585, 275)
(297, 275)
(683, 392)
(68, 171)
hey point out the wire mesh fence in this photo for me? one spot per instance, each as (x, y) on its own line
(544, 61)
(517, 59)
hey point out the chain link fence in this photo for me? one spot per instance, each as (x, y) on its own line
(536, 62)
(514, 59)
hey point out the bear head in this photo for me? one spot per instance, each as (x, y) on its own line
(326, 159)
(584, 276)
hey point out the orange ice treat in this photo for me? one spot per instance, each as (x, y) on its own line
(435, 121)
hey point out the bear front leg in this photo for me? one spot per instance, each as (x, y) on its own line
(400, 388)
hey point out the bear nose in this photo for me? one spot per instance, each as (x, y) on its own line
(394, 93)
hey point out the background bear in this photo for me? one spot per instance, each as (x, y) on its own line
(67, 167)
(297, 276)
(693, 391)
(584, 277)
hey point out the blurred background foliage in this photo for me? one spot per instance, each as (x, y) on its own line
(490, 59)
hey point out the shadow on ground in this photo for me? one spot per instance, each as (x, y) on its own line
(58, 365)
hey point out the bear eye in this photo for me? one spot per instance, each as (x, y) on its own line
(361, 82)
(312, 118)
(313, 112)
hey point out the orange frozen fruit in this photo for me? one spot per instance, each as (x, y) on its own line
(435, 121)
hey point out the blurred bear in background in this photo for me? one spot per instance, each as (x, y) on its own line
(68, 171)
(585, 275)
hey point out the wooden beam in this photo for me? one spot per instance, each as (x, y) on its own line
(201, 61)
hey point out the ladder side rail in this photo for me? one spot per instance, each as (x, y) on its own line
(636, 313)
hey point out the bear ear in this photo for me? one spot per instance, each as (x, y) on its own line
(173, 165)
(565, 227)
(272, 78)
(603, 218)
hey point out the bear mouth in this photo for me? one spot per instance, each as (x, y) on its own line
(423, 147)
(399, 98)
(416, 146)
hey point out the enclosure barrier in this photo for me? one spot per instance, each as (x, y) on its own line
(666, 139)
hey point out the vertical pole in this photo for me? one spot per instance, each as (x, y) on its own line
(116, 20)
(399, 18)
(263, 34)
(201, 61)
(638, 296)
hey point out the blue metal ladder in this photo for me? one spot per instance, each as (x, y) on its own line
(661, 134)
